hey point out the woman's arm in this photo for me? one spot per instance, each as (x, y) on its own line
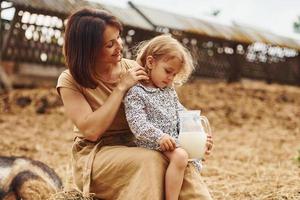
(91, 124)
(94, 123)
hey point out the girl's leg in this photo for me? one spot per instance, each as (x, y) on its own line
(175, 172)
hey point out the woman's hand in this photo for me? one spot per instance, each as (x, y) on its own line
(131, 77)
(167, 143)
(209, 144)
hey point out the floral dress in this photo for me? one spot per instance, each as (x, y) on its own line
(151, 113)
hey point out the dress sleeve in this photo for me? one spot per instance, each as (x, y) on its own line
(179, 106)
(137, 118)
(65, 80)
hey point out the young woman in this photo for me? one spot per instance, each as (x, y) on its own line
(105, 161)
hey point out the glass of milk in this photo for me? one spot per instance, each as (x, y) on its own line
(193, 132)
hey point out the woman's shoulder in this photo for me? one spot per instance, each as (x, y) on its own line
(128, 63)
(65, 77)
(66, 80)
(65, 74)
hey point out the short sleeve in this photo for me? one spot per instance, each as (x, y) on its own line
(65, 80)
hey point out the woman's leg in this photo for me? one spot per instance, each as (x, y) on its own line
(193, 187)
(178, 160)
(126, 173)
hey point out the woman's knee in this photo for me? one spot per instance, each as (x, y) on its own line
(146, 156)
(156, 157)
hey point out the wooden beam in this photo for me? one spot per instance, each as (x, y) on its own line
(3, 76)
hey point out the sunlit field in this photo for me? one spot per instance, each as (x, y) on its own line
(256, 131)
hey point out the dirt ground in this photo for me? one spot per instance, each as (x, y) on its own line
(256, 130)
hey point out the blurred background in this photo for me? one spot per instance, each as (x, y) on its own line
(246, 82)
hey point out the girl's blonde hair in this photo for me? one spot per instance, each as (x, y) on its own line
(166, 47)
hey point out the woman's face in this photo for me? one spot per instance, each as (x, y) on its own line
(164, 71)
(111, 52)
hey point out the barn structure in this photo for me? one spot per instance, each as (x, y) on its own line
(31, 43)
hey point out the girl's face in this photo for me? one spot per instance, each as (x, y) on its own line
(111, 52)
(162, 71)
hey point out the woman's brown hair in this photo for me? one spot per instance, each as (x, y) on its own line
(83, 41)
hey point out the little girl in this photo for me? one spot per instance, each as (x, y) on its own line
(152, 107)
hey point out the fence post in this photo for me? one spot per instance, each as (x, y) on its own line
(4, 79)
(234, 73)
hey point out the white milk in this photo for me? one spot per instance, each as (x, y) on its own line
(194, 143)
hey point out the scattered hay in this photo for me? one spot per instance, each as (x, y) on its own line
(70, 195)
(256, 131)
(34, 189)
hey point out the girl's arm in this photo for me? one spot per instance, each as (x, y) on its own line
(137, 118)
(94, 123)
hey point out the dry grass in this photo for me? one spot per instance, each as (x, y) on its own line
(256, 134)
(69, 195)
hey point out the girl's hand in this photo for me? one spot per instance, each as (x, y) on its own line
(167, 143)
(209, 144)
(131, 77)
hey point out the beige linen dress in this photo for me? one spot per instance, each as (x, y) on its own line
(113, 168)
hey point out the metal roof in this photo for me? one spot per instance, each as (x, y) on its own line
(235, 32)
(63, 7)
(265, 36)
(129, 16)
(164, 19)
